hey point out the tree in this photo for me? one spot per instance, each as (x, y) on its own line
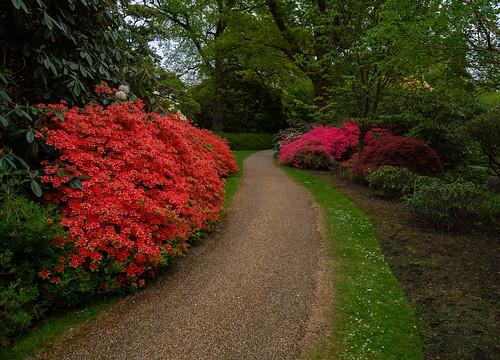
(478, 23)
(251, 104)
(161, 90)
(199, 25)
(319, 35)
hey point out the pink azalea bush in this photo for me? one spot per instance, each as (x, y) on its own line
(321, 147)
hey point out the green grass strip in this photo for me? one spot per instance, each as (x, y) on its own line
(372, 318)
(233, 181)
(52, 328)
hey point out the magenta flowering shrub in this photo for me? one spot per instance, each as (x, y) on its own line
(320, 147)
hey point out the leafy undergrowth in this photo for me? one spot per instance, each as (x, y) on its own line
(372, 317)
(52, 328)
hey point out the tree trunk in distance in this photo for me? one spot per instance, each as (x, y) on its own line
(218, 102)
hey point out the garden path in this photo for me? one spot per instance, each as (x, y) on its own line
(248, 292)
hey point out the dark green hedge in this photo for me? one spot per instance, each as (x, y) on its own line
(248, 141)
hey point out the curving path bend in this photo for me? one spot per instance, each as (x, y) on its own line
(249, 292)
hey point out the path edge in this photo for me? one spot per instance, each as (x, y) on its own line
(321, 324)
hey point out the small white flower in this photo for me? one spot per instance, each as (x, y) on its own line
(156, 93)
(124, 88)
(121, 95)
(181, 115)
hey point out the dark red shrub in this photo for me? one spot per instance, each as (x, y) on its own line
(398, 151)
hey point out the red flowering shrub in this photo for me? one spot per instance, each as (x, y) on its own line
(219, 147)
(399, 151)
(131, 187)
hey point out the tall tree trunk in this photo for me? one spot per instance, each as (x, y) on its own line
(363, 131)
(366, 103)
(324, 39)
(218, 101)
(219, 76)
(320, 90)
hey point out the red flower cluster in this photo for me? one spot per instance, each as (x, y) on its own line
(132, 186)
(104, 89)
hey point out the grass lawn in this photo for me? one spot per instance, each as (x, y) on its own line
(372, 318)
(439, 272)
(51, 328)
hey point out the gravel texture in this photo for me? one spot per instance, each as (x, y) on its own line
(249, 292)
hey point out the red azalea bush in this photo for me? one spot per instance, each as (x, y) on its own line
(219, 148)
(320, 147)
(131, 187)
(399, 151)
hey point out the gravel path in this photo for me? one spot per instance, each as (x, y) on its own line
(249, 292)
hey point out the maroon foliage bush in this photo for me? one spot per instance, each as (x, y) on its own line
(398, 151)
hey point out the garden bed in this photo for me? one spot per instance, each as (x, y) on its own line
(449, 277)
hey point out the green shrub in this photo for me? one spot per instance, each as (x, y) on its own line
(485, 129)
(450, 140)
(392, 181)
(479, 175)
(445, 204)
(27, 233)
(313, 158)
(248, 141)
(494, 184)
(491, 210)
(475, 174)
